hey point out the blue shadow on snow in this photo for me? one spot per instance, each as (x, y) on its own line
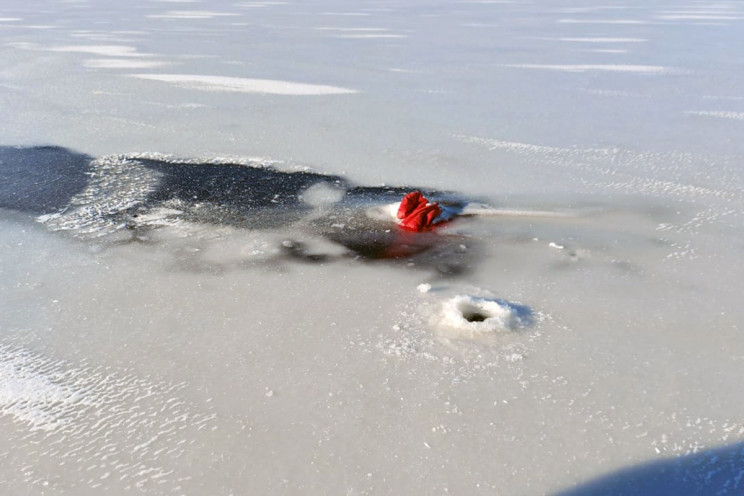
(715, 472)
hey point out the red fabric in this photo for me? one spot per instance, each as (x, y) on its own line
(410, 202)
(416, 213)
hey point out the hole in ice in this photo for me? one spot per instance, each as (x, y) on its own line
(472, 314)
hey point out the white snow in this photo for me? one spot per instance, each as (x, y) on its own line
(191, 14)
(350, 30)
(605, 40)
(699, 17)
(607, 50)
(345, 14)
(369, 36)
(107, 50)
(720, 114)
(258, 4)
(243, 85)
(639, 69)
(97, 412)
(124, 64)
(472, 317)
(603, 21)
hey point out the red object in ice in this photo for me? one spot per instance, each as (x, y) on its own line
(416, 213)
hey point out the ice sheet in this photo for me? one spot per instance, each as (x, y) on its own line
(577, 329)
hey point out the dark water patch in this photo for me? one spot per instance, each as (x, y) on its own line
(245, 196)
(123, 198)
(474, 316)
(41, 179)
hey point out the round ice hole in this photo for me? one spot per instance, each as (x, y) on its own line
(472, 315)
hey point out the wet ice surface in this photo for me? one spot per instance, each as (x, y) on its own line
(200, 358)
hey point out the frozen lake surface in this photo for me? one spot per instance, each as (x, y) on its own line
(199, 293)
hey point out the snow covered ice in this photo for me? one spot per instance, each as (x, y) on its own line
(576, 331)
